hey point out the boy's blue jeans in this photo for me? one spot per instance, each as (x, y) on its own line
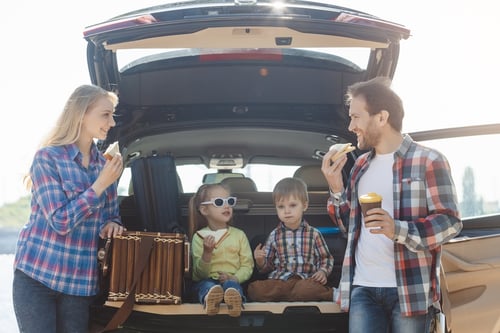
(41, 309)
(376, 310)
(202, 287)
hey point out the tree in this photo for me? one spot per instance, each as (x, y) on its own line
(16, 214)
(471, 205)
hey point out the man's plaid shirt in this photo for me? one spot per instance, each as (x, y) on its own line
(425, 217)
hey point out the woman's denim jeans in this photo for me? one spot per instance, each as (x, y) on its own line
(41, 309)
(376, 310)
(202, 287)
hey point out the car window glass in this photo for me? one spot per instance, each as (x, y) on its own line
(475, 174)
(358, 56)
(265, 176)
(191, 176)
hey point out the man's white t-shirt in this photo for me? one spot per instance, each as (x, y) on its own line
(375, 252)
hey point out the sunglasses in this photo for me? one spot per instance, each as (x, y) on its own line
(219, 202)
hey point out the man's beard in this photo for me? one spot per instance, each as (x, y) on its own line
(371, 137)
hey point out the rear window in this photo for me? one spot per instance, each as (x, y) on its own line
(191, 176)
(356, 57)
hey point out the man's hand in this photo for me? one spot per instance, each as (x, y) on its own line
(333, 171)
(380, 222)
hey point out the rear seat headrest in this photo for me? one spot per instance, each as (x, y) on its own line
(313, 177)
(240, 184)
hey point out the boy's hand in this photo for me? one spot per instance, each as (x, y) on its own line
(259, 255)
(320, 277)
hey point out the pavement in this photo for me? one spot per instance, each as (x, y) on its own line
(8, 240)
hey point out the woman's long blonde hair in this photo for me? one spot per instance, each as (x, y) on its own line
(69, 124)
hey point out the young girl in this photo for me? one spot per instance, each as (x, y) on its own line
(74, 201)
(220, 264)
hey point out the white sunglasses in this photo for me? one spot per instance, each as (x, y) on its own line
(219, 202)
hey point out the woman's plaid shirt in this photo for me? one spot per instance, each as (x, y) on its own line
(58, 245)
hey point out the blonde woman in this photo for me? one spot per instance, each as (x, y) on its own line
(74, 192)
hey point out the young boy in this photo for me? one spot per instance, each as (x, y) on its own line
(295, 255)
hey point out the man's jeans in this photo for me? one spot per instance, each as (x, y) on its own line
(202, 287)
(376, 310)
(41, 309)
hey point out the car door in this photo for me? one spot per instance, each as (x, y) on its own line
(471, 261)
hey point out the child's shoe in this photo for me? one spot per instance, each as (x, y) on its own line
(233, 300)
(212, 300)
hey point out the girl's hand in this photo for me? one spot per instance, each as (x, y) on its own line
(209, 244)
(223, 277)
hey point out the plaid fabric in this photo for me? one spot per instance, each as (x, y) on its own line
(425, 216)
(58, 245)
(296, 252)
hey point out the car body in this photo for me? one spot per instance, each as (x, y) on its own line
(255, 89)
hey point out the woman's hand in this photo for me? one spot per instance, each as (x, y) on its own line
(109, 174)
(111, 230)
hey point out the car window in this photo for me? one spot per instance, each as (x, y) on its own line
(476, 178)
(191, 176)
(475, 174)
(358, 56)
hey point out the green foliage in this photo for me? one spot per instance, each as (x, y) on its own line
(15, 214)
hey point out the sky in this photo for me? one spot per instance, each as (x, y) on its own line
(446, 75)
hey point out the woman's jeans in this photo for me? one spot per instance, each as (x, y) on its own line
(202, 287)
(41, 309)
(376, 310)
